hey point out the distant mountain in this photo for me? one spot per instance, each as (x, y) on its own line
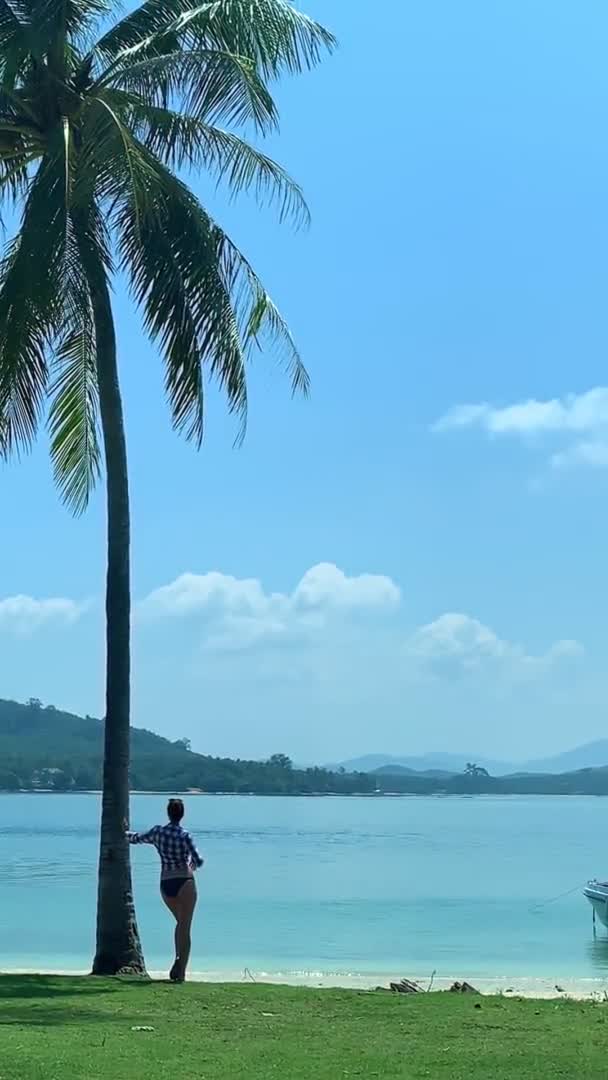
(592, 755)
(427, 763)
(401, 770)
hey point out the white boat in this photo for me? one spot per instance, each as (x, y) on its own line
(597, 895)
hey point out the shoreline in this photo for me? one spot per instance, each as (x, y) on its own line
(529, 987)
(375, 795)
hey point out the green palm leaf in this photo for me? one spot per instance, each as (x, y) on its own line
(262, 324)
(30, 305)
(209, 85)
(74, 399)
(181, 141)
(170, 254)
(201, 298)
(14, 43)
(153, 96)
(75, 449)
(272, 33)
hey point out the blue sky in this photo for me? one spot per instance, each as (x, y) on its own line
(415, 558)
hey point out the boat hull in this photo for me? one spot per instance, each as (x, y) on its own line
(597, 895)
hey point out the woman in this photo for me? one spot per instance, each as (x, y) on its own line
(178, 859)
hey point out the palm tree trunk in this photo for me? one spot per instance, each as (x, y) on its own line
(118, 947)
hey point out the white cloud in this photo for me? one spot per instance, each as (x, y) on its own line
(566, 648)
(455, 635)
(238, 613)
(591, 453)
(573, 414)
(25, 613)
(326, 585)
(193, 593)
(456, 643)
(337, 616)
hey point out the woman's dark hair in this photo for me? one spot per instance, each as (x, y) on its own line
(175, 810)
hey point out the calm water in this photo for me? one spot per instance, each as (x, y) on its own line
(324, 885)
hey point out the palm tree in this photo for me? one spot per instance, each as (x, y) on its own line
(99, 119)
(472, 769)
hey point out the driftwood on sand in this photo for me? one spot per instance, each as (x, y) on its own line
(404, 986)
(407, 986)
(463, 988)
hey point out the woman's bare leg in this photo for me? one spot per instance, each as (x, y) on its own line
(172, 902)
(186, 903)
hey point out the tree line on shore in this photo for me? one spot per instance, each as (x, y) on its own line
(44, 749)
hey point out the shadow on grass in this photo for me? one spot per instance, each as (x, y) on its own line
(43, 1017)
(41, 987)
(13, 987)
(51, 1000)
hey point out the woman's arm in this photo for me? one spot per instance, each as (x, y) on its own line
(143, 837)
(195, 859)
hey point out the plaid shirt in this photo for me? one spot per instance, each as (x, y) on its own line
(174, 845)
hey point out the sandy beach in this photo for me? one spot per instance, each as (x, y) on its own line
(541, 988)
(527, 987)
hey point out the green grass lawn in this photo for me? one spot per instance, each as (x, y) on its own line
(55, 1028)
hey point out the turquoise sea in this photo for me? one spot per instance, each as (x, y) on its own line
(330, 886)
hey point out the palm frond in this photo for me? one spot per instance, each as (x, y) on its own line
(179, 140)
(13, 20)
(106, 164)
(133, 160)
(21, 144)
(202, 301)
(272, 33)
(14, 105)
(209, 85)
(269, 330)
(29, 306)
(159, 287)
(127, 183)
(14, 40)
(262, 324)
(149, 18)
(82, 15)
(14, 176)
(52, 24)
(73, 412)
(105, 130)
(45, 311)
(176, 279)
(75, 451)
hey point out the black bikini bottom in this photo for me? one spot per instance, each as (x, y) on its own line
(171, 887)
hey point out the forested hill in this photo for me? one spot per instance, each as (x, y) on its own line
(42, 748)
